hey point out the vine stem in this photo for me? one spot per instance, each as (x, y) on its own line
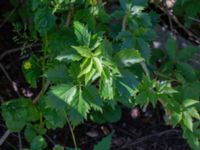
(72, 133)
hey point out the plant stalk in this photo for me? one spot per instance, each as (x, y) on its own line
(72, 133)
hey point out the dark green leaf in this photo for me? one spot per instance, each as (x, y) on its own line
(44, 20)
(171, 48)
(105, 143)
(57, 74)
(38, 143)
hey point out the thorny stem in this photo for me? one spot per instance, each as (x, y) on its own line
(72, 133)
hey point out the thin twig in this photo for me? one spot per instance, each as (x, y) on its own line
(4, 137)
(175, 19)
(7, 52)
(20, 141)
(36, 99)
(194, 19)
(6, 134)
(8, 17)
(142, 139)
(72, 133)
(11, 81)
(50, 140)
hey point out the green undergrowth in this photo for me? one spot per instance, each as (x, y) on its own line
(92, 63)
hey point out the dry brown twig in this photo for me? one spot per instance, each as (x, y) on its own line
(7, 133)
(8, 17)
(7, 52)
(142, 139)
(175, 19)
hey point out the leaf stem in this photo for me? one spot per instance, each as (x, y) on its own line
(164, 76)
(144, 67)
(72, 133)
(124, 22)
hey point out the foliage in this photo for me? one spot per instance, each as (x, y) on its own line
(96, 62)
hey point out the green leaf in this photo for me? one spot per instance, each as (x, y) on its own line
(75, 117)
(94, 100)
(187, 121)
(58, 147)
(105, 143)
(191, 90)
(18, 112)
(187, 53)
(44, 20)
(106, 85)
(194, 113)
(30, 133)
(126, 84)
(61, 95)
(126, 4)
(91, 76)
(57, 74)
(98, 64)
(187, 71)
(60, 42)
(144, 49)
(82, 33)
(112, 114)
(80, 104)
(54, 118)
(140, 2)
(176, 118)
(32, 70)
(38, 143)
(165, 88)
(171, 48)
(129, 57)
(189, 103)
(83, 51)
(86, 67)
(69, 55)
(146, 92)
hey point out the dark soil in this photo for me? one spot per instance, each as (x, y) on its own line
(135, 131)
